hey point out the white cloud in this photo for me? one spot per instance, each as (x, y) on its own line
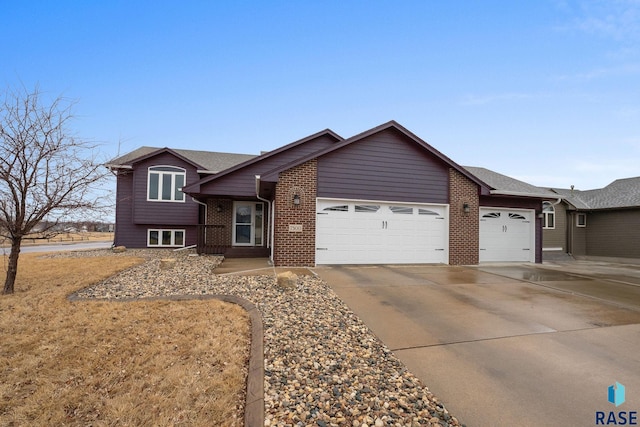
(614, 19)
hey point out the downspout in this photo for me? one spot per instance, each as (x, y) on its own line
(270, 225)
(205, 208)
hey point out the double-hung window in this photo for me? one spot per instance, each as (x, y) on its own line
(165, 184)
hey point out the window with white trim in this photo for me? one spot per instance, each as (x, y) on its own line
(548, 216)
(164, 184)
(581, 220)
(157, 238)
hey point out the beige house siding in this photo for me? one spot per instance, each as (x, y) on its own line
(613, 233)
(577, 236)
(553, 238)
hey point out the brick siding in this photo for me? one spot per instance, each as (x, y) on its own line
(464, 229)
(296, 248)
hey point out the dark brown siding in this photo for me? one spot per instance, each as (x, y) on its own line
(124, 208)
(168, 213)
(614, 233)
(134, 215)
(242, 183)
(383, 166)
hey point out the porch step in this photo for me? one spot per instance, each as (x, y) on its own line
(250, 252)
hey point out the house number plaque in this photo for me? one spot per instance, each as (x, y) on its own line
(295, 228)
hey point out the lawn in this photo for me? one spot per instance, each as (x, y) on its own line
(102, 363)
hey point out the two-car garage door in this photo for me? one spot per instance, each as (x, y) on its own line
(368, 232)
(365, 232)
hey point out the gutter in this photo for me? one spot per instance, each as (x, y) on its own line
(525, 194)
(112, 166)
(270, 225)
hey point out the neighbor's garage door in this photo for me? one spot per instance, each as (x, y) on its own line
(506, 235)
(353, 232)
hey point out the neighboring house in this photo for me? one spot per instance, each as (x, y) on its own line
(383, 196)
(601, 223)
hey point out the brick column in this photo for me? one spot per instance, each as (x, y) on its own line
(464, 228)
(295, 225)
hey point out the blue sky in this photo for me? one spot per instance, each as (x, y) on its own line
(547, 91)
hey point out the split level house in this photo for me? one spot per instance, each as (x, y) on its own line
(382, 196)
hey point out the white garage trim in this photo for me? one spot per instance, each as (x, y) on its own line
(507, 235)
(350, 231)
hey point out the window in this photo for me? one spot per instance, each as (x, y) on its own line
(339, 208)
(581, 220)
(548, 216)
(401, 210)
(422, 211)
(367, 208)
(165, 238)
(165, 184)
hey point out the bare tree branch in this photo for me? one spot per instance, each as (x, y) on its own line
(47, 174)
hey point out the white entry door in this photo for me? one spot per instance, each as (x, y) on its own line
(507, 235)
(248, 220)
(367, 232)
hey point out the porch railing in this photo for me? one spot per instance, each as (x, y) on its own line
(212, 239)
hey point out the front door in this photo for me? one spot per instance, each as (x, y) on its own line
(248, 222)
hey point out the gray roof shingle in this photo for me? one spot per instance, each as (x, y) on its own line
(621, 193)
(209, 160)
(504, 183)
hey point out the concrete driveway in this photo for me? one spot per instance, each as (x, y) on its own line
(507, 345)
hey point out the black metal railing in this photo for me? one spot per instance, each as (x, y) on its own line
(213, 239)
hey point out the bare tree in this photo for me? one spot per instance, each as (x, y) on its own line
(47, 174)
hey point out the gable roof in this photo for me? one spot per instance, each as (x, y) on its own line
(507, 186)
(621, 193)
(272, 175)
(327, 132)
(208, 161)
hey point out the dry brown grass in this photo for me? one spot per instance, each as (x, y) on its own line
(100, 363)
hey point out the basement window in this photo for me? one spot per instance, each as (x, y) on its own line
(165, 238)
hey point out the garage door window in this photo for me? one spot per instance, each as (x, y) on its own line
(427, 212)
(516, 216)
(491, 215)
(401, 210)
(340, 208)
(367, 208)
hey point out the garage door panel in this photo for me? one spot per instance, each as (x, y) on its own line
(376, 232)
(506, 235)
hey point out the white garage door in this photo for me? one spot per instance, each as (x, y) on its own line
(507, 235)
(355, 232)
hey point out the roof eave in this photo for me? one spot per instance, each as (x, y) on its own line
(112, 166)
(525, 194)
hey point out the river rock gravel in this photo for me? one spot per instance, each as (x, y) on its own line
(323, 366)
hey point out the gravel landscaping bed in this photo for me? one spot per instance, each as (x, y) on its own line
(323, 367)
